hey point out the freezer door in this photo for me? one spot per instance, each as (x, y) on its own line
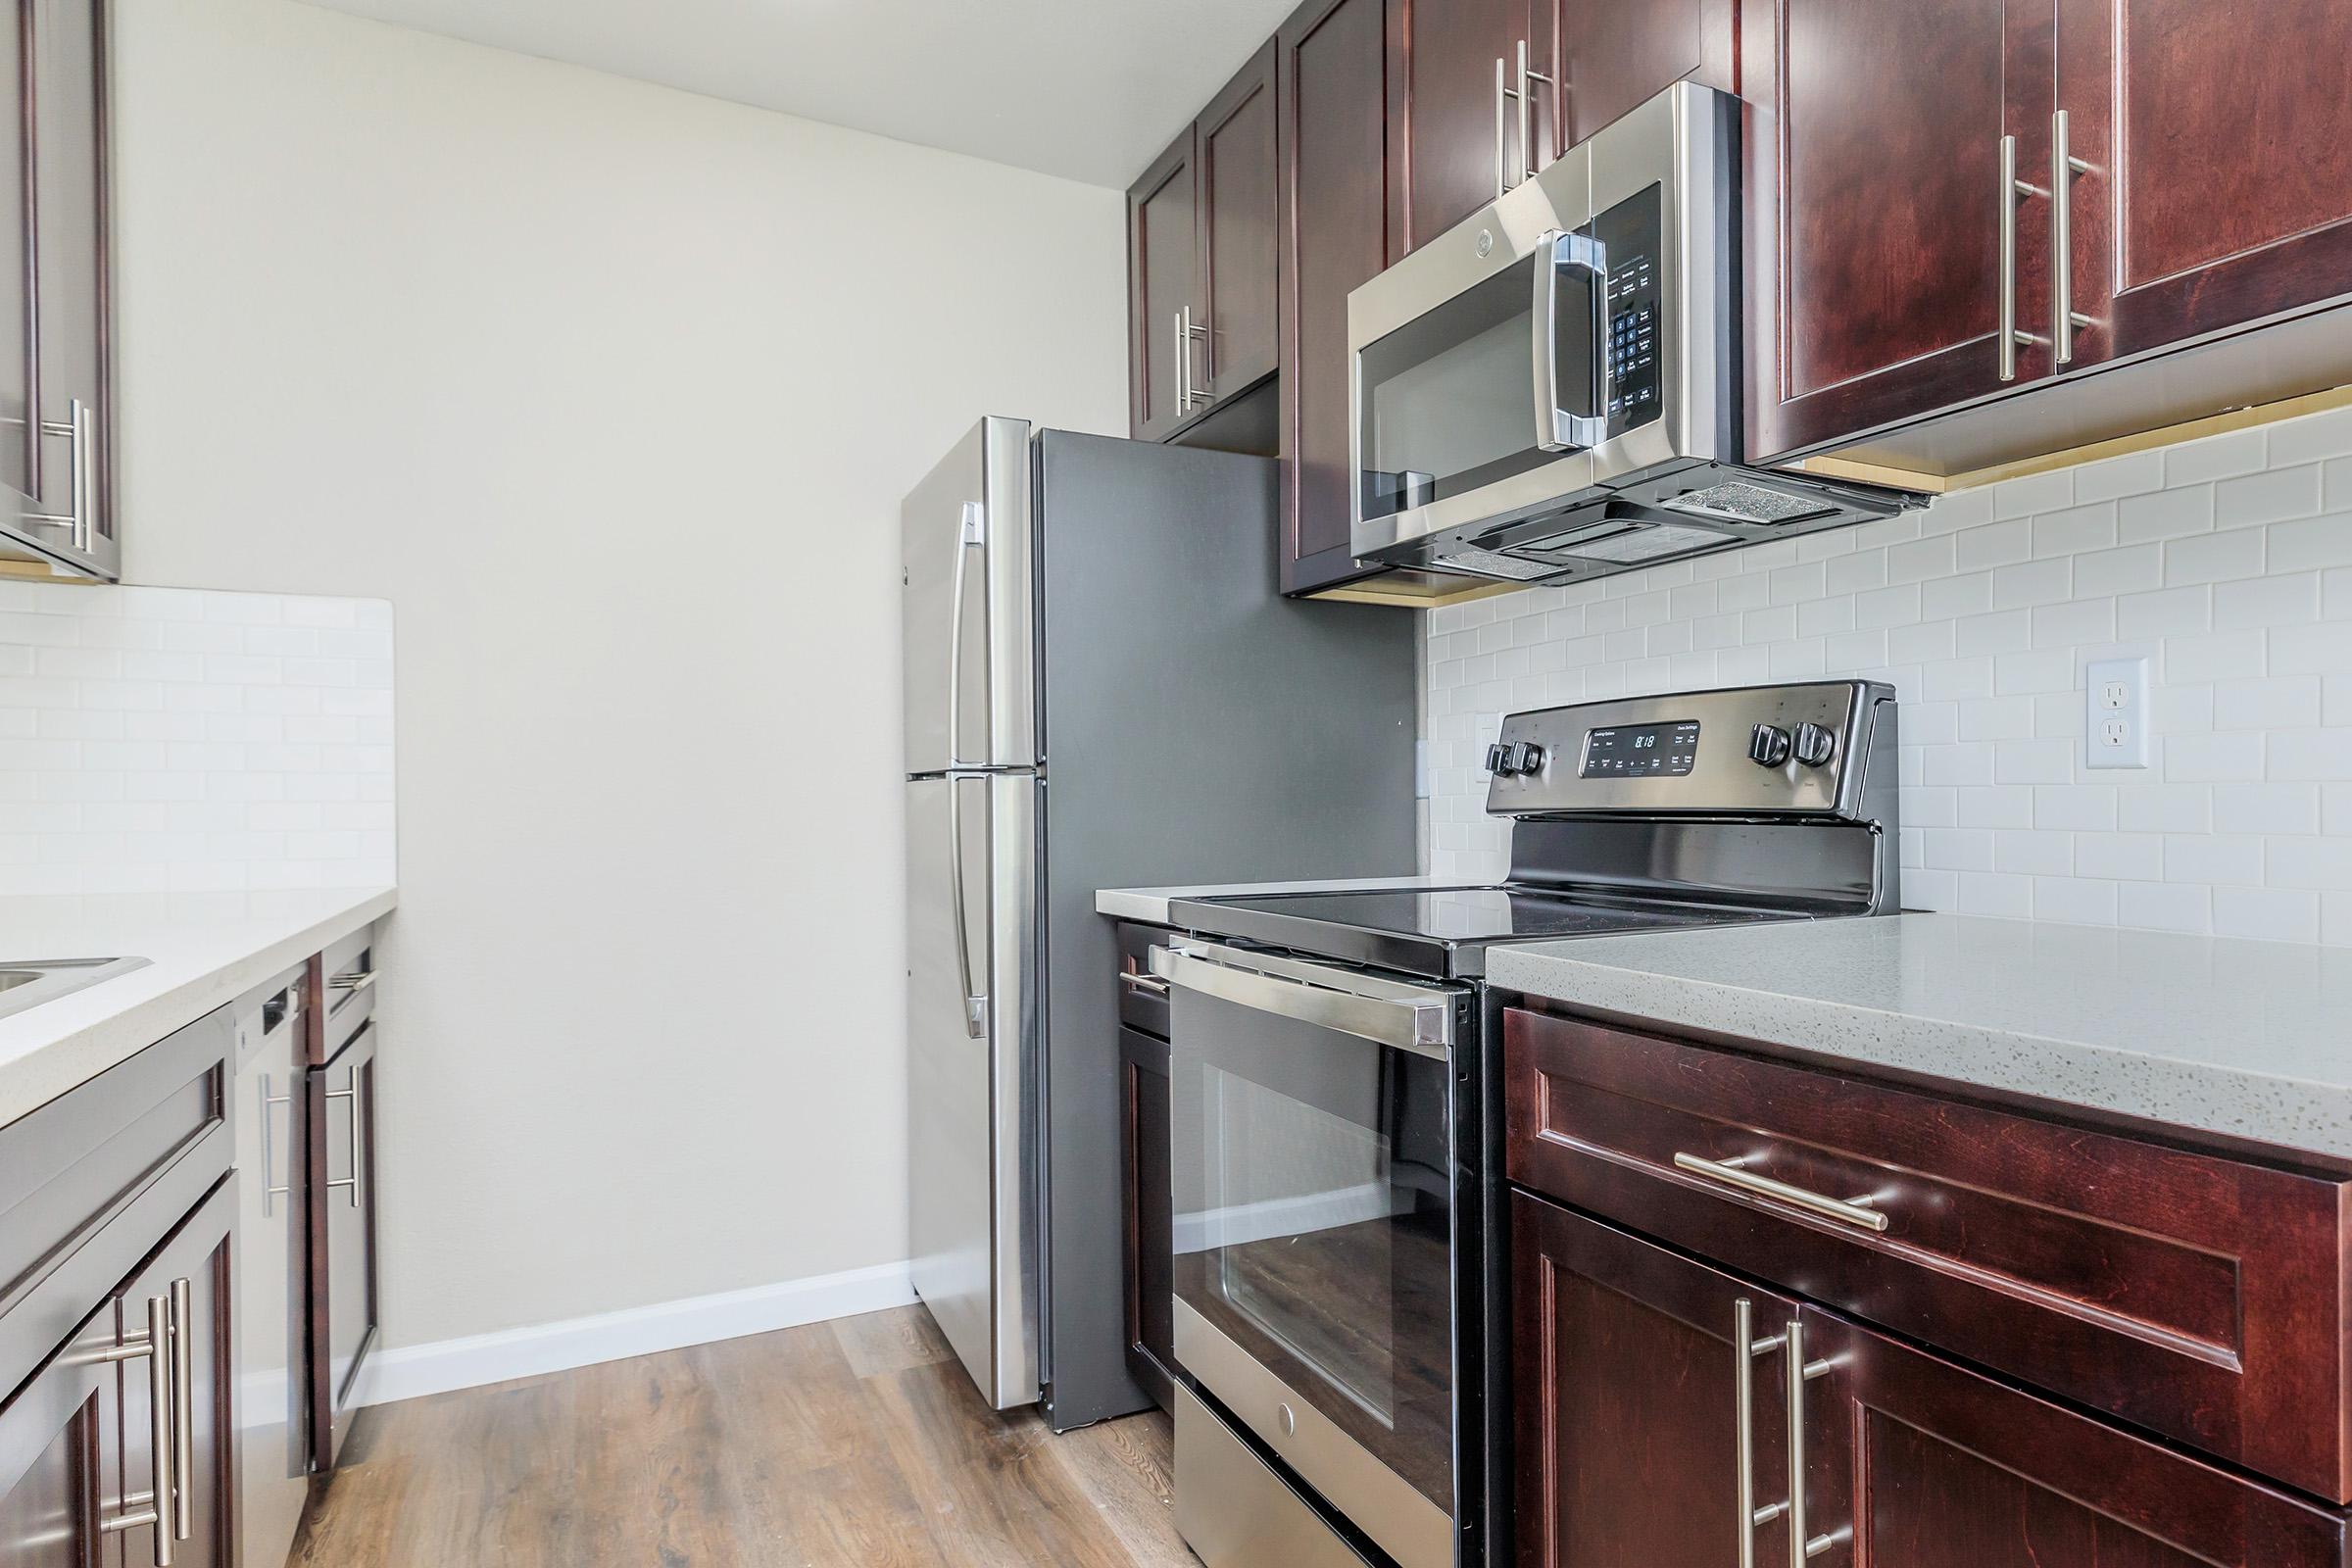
(971, 1027)
(970, 637)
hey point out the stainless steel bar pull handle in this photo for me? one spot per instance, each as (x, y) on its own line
(1190, 332)
(1147, 985)
(2065, 169)
(78, 520)
(1855, 1211)
(167, 1508)
(1528, 76)
(1747, 1350)
(1184, 366)
(1802, 1546)
(352, 1095)
(272, 1188)
(183, 1315)
(355, 980)
(2013, 190)
(1502, 126)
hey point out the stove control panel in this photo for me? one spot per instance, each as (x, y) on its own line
(1809, 749)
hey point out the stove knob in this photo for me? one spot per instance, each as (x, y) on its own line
(1768, 746)
(1814, 744)
(1527, 757)
(1498, 760)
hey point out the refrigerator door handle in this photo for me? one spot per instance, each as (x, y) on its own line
(975, 1002)
(971, 535)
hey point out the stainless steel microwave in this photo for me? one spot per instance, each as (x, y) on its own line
(1607, 286)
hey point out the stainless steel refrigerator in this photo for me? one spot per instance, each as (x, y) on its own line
(1103, 689)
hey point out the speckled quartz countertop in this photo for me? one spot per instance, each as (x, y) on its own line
(204, 950)
(2251, 1038)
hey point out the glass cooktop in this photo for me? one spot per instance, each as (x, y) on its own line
(1444, 931)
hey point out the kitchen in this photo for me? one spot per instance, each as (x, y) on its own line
(1283, 956)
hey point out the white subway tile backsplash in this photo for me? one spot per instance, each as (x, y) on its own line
(181, 740)
(2225, 561)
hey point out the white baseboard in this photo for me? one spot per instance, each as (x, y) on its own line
(470, 1362)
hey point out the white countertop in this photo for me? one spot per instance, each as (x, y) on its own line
(2252, 1039)
(1150, 904)
(205, 950)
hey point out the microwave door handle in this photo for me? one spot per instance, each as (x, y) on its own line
(1558, 251)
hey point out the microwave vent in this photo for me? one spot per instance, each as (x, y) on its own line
(1489, 564)
(1742, 502)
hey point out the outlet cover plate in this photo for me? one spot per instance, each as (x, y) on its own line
(2115, 705)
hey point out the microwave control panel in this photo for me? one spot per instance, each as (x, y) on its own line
(1629, 236)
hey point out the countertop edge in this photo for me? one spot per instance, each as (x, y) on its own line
(2216, 1097)
(81, 1052)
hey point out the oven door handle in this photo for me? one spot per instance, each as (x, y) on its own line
(1557, 252)
(1388, 1013)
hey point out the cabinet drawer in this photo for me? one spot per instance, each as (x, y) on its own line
(2200, 1296)
(89, 1181)
(1143, 994)
(347, 992)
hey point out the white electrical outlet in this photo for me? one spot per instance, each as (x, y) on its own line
(2115, 694)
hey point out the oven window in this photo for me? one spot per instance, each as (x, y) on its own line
(1313, 1194)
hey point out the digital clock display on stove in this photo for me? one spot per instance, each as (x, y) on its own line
(1640, 751)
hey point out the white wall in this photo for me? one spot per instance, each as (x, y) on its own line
(2228, 562)
(613, 391)
(163, 740)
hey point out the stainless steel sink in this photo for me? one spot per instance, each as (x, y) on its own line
(28, 985)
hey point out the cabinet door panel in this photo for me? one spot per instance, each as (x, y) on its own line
(1237, 260)
(1875, 207)
(59, 1459)
(71, 229)
(1953, 1470)
(343, 1254)
(1445, 71)
(1149, 1212)
(1625, 1416)
(1612, 56)
(198, 1253)
(1333, 89)
(1163, 264)
(2220, 138)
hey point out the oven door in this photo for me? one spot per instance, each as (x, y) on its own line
(1314, 1212)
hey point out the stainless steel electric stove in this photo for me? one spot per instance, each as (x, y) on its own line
(1336, 1115)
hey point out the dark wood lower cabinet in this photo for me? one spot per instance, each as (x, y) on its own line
(191, 1274)
(341, 1150)
(59, 1457)
(1149, 1212)
(1623, 1423)
(1629, 1427)
(1916, 1461)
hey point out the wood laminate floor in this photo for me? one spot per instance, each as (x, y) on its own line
(859, 1441)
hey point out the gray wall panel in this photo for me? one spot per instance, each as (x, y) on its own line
(1197, 727)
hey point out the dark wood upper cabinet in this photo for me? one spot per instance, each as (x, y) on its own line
(1238, 148)
(1202, 256)
(1163, 294)
(1914, 1460)
(2219, 140)
(1454, 62)
(1607, 57)
(1873, 153)
(56, 353)
(1340, 169)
